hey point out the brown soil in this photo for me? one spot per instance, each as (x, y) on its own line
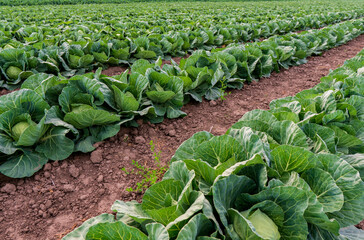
(116, 70)
(4, 92)
(63, 194)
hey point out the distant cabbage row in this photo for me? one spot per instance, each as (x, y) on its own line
(51, 116)
(66, 2)
(81, 43)
(294, 172)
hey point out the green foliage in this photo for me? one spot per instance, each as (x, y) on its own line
(266, 178)
(73, 40)
(89, 108)
(223, 88)
(66, 2)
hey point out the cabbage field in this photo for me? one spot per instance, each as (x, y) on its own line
(74, 77)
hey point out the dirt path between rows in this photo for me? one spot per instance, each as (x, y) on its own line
(65, 193)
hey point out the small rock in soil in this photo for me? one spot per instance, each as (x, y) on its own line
(132, 155)
(87, 181)
(100, 178)
(96, 156)
(48, 204)
(59, 171)
(63, 180)
(172, 133)
(8, 188)
(212, 103)
(47, 174)
(238, 113)
(64, 165)
(68, 188)
(47, 167)
(35, 189)
(139, 140)
(152, 132)
(43, 207)
(75, 172)
(83, 197)
(101, 191)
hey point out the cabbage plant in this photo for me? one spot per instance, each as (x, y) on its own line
(273, 175)
(31, 133)
(13, 64)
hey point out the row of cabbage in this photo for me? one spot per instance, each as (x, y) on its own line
(18, 33)
(139, 18)
(51, 117)
(293, 172)
(77, 49)
(73, 2)
(169, 17)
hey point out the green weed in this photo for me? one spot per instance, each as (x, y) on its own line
(149, 175)
(223, 90)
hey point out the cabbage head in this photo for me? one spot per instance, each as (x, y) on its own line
(13, 72)
(18, 129)
(263, 225)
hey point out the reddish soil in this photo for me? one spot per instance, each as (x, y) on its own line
(63, 194)
(116, 70)
(4, 91)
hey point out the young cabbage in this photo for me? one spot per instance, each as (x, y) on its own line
(263, 225)
(13, 72)
(18, 129)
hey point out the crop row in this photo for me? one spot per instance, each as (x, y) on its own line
(294, 172)
(27, 32)
(169, 16)
(75, 49)
(66, 2)
(51, 117)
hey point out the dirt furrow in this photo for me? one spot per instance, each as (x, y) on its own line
(65, 193)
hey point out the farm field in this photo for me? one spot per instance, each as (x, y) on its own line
(103, 105)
